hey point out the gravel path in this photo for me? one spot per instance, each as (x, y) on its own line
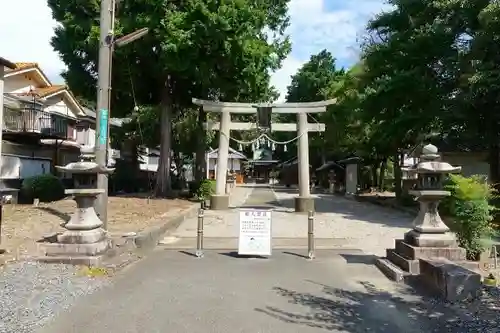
(31, 294)
(368, 227)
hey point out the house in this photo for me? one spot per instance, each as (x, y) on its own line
(4, 65)
(234, 164)
(39, 123)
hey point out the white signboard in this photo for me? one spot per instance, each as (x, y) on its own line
(255, 232)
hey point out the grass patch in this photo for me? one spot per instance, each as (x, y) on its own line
(93, 272)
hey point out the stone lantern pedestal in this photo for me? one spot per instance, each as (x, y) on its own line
(430, 237)
(84, 241)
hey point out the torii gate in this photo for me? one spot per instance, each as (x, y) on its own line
(304, 202)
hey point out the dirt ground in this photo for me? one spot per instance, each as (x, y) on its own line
(24, 225)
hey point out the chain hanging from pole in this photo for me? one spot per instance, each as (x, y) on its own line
(136, 115)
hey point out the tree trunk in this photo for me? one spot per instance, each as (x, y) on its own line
(323, 152)
(163, 182)
(374, 177)
(494, 164)
(201, 167)
(398, 176)
(383, 168)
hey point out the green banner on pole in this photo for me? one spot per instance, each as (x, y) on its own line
(103, 126)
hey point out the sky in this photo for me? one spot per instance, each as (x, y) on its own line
(335, 25)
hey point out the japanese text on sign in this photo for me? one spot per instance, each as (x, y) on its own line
(255, 232)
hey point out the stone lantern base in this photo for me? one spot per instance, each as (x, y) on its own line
(83, 242)
(429, 238)
(86, 247)
(404, 260)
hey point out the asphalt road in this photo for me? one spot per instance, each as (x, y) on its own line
(172, 291)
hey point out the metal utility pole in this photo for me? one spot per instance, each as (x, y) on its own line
(107, 43)
(103, 93)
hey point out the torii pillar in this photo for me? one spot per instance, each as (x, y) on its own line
(304, 202)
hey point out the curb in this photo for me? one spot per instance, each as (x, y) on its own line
(150, 237)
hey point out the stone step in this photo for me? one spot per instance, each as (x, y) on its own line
(414, 252)
(390, 270)
(94, 261)
(408, 265)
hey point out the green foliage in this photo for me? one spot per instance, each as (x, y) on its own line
(472, 213)
(206, 49)
(210, 49)
(126, 175)
(46, 188)
(426, 67)
(205, 189)
(311, 84)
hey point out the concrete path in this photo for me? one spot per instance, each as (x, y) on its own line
(171, 291)
(339, 223)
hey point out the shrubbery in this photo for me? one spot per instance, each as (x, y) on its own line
(46, 188)
(205, 189)
(472, 213)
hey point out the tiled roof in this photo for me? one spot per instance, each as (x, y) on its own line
(233, 153)
(23, 99)
(43, 92)
(118, 122)
(20, 66)
(25, 65)
(89, 113)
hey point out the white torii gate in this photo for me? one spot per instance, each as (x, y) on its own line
(304, 202)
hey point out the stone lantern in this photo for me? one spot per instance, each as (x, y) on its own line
(428, 227)
(84, 241)
(430, 237)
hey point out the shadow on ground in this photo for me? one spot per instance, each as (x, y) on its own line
(63, 216)
(365, 259)
(373, 310)
(348, 209)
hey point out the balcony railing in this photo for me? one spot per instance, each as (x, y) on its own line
(29, 120)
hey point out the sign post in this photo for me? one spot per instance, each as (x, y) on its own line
(255, 237)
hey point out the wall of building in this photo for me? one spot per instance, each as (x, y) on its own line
(31, 160)
(20, 167)
(85, 133)
(58, 105)
(471, 163)
(18, 84)
(232, 164)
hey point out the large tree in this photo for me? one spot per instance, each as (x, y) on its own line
(430, 69)
(222, 50)
(310, 84)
